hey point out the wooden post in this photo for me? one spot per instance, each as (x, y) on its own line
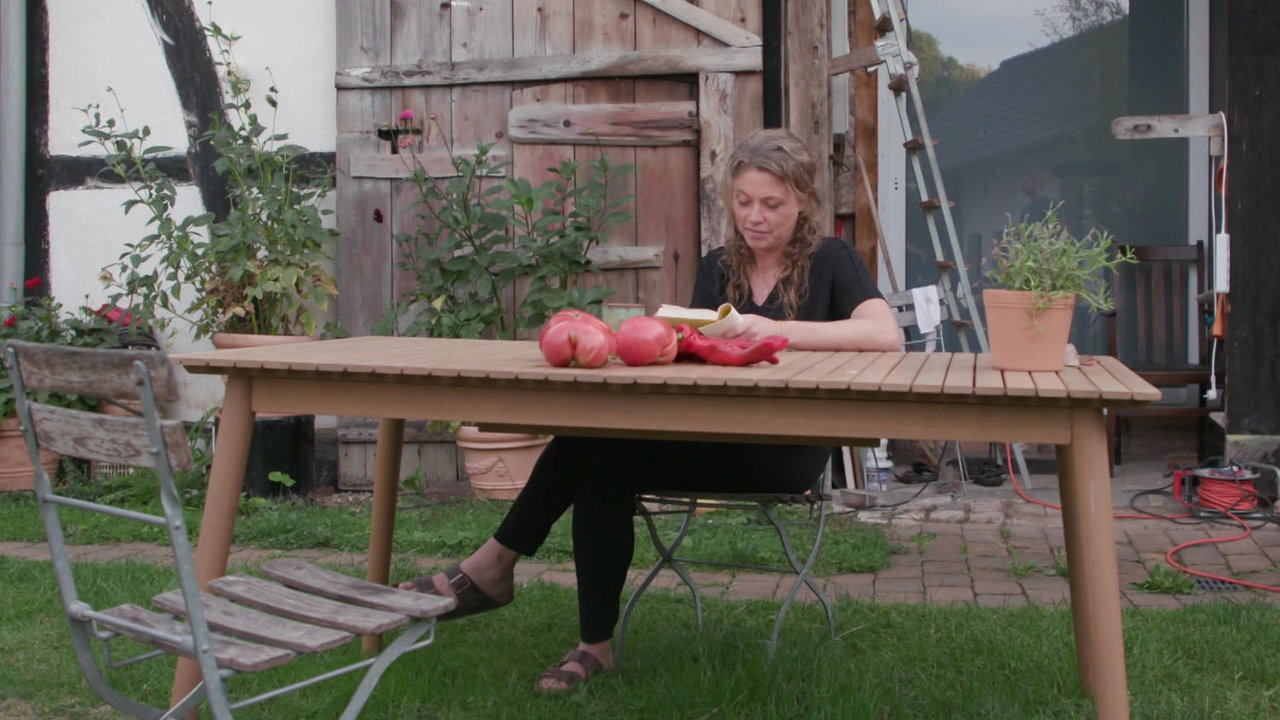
(807, 53)
(1253, 140)
(863, 130)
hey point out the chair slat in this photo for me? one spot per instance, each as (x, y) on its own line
(91, 372)
(238, 655)
(104, 438)
(302, 575)
(287, 602)
(250, 624)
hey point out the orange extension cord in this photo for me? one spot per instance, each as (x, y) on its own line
(1228, 500)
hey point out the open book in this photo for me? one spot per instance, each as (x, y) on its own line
(712, 323)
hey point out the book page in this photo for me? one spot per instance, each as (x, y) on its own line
(712, 323)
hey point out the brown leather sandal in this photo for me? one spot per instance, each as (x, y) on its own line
(471, 599)
(569, 679)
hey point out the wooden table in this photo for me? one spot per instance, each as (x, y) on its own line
(809, 397)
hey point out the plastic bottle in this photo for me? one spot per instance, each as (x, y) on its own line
(878, 467)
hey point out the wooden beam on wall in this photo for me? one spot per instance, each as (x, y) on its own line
(684, 61)
(654, 124)
(809, 91)
(865, 136)
(716, 140)
(707, 23)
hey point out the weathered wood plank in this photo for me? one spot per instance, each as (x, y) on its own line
(809, 90)
(646, 124)
(280, 600)
(1138, 127)
(254, 625)
(238, 655)
(626, 258)
(865, 140)
(365, 249)
(859, 59)
(311, 578)
(603, 64)
(715, 144)
(666, 205)
(84, 371)
(707, 23)
(747, 112)
(601, 27)
(111, 439)
(543, 28)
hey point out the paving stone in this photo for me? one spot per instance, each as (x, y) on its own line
(950, 595)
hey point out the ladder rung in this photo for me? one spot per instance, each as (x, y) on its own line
(899, 83)
(916, 144)
(944, 264)
(884, 23)
(935, 204)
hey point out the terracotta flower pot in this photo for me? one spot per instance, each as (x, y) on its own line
(498, 464)
(16, 471)
(1025, 340)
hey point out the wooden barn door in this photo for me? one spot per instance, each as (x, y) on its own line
(665, 86)
(545, 81)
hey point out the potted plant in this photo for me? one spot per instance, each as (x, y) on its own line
(249, 273)
(41, 318)
(256, 266)
(496, 260)
(1038, 271)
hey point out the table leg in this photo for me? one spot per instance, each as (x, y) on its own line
(386, 486)
(222, 501)
(1085, 487)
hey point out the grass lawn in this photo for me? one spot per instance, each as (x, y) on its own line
(890, 661)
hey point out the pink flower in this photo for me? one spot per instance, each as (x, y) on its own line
(405, 141)
(33, 284)
(405, 117)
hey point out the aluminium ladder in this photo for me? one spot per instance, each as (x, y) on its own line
(892, 51)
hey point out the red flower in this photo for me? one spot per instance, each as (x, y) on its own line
(115, 315)
(11, 321)
(33, 284)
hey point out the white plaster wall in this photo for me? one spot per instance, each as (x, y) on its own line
(95, 44)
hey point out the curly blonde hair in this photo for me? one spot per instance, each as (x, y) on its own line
(782, 154)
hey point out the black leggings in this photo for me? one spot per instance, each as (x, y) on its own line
(601, 477)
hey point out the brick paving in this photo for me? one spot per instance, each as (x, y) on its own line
(985, 546)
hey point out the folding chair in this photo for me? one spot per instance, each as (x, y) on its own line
(241, 623)
(921, 315)
(770, 508)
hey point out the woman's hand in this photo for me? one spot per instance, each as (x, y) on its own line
(754, 327)
(871, 326)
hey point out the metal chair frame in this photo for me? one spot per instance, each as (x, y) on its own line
(160, 445)
(688, 504)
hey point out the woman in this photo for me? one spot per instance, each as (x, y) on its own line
(786, 279)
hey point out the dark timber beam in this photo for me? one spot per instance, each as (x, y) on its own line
(186, 52)
(1253, 143)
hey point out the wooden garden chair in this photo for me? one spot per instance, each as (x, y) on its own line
(1151, 332)
(239, 623)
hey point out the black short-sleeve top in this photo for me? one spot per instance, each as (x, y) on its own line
(838, 282)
